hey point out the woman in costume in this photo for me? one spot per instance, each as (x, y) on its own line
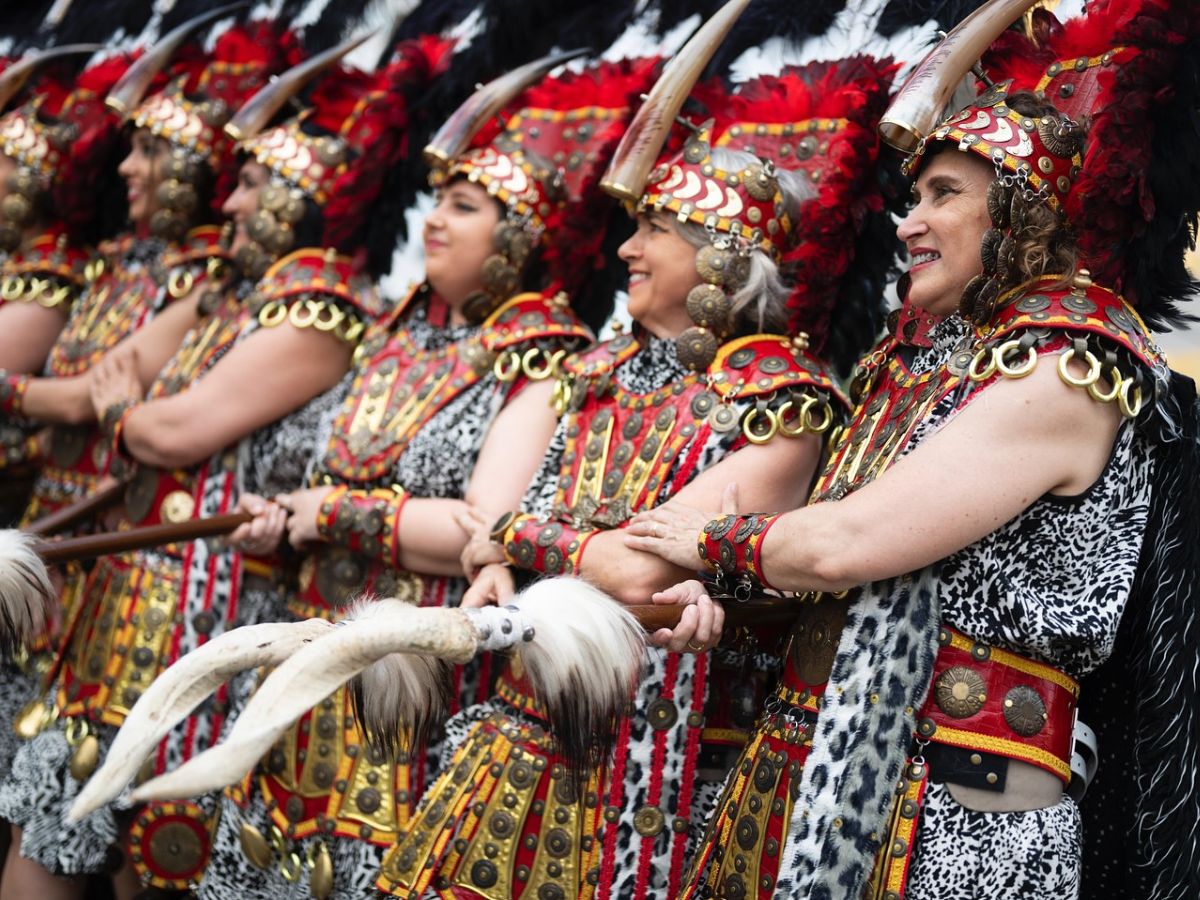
(198, 440)
(450, 399)
(1017, 443)
(706, 390)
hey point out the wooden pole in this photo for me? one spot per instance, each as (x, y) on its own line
(91, 545)
(79, 511)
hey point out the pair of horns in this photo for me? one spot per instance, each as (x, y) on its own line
(582, 651)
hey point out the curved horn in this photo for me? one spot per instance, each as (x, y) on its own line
(259, 109)
(920, 103)
(307, 678)
(18, 73)
(129, 91)
(25, 592)
(172, 696)
(455, 136)
(581, 649)
(647, 133)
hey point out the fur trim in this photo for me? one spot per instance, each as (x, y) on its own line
(400, 698)
(1144, 703)
(584, 660)
(859, 748)
(26, 596)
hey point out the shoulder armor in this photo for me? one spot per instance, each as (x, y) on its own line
(530, 317)
(1082, 308)
(316, 271)
(1084, 322)
(200, 245)
(602, 357)
(49, 271)
(319, 289)
(761, 364)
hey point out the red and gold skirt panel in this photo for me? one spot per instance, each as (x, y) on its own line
(505, 820)
(322, 778)
(120, 637)
(739, 855)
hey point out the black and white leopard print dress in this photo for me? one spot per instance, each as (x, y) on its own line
(1052, 585)
(437, 462)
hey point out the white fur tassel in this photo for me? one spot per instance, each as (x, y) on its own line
(584, 659)
(26, 596)
(400, 697)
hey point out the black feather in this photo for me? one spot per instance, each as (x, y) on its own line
(1142, 813)
(766, 19)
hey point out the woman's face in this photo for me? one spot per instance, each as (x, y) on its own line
(662, 269)
(141, 171)
(458, 238)
(243, 202)
(944, 229)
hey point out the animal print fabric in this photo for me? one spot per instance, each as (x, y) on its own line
(964, 854)
(437, 462)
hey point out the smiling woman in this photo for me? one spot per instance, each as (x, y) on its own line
(458, 240)
(1020, 447)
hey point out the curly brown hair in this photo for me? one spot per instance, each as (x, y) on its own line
(1044, 241)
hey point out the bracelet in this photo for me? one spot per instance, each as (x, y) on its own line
(12, 394)
(365, 522)
(112, 424)
(731, 546)
(529, 543)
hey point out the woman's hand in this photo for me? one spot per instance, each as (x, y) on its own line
(673, 529)
(303, 507)
(700, 625)
(480, 550)
(115, 380)
(493, 586)
(262, 536)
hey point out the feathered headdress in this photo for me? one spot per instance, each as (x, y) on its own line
(68, 139)
(543, 159)
(338, 151)
(201, 95)
(819, 121)
(1128, 72)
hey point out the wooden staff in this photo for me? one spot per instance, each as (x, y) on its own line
(91, 545)
(751, 612)
(79, 511)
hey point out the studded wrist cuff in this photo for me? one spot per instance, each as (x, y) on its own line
(12, 394)
(551, 548)
(732, 547)
(366, 522)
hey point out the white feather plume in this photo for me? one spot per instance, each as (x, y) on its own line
(26, 596)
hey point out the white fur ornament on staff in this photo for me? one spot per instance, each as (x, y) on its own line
(582, 651)
(26, 596)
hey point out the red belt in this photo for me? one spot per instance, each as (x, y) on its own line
(986, 699)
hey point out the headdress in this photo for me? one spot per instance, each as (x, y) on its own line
(337, 152)
(815, 121)
(60, 139)
(818, 121)
(542, 160)
(191, 111)
(1116, 71)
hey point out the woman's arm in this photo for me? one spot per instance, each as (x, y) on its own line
(430, 539)
(770, 477)
(27, 332)
(69, 401)
(263, 378)
(1016, 442)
